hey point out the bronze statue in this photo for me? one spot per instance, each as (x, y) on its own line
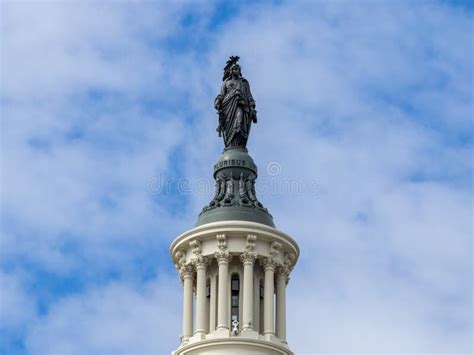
(236, 107)
(235, 172)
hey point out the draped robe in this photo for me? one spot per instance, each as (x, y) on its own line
(236, 103)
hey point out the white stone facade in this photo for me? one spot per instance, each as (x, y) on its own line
(234, 276)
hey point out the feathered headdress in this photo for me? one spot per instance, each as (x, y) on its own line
(232, 60)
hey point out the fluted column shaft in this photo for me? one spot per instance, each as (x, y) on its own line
(248, 260)
(223, 296)
(201, 267)
(187, 305)
(268, 303)
(282, 278)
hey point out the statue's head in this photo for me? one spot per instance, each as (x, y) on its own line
(231, 67)
(235, 70)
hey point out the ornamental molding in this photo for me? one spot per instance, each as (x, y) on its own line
(251, 239)
(249, 255)
(199, 261)
(196, 246)
(221, 242)
(269, 262)
(235, 189)
(275, 249)
(289, 260)
(222, 255)
(208, 232)
(179, 259)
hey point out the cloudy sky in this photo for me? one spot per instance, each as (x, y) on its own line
(107, 107)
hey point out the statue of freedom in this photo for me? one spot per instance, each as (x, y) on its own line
(236, 107)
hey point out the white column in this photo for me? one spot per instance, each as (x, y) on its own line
(201, 267)
(256, 301)
(282, 278)
(248, 259)
(268, 303)
(187, 277)
(223, 259)
(213, 304)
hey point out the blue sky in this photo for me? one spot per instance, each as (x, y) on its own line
(371, 100)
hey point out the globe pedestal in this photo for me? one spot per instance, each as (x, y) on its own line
(235, 197)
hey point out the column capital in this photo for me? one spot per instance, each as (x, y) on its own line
(223, 256)
(268, 264)
(201, 262)
(248, 257)
(186, 271)
(282, 271)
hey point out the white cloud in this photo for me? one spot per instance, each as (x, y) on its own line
(346, 96)
(16, 307)
(51, 50)
(116, 318)
(77, 167)
(370, 99)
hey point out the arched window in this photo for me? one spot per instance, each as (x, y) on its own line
(234, 298)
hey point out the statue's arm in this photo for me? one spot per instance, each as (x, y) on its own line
(250, 99)
(218, 100)
(251, 102)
